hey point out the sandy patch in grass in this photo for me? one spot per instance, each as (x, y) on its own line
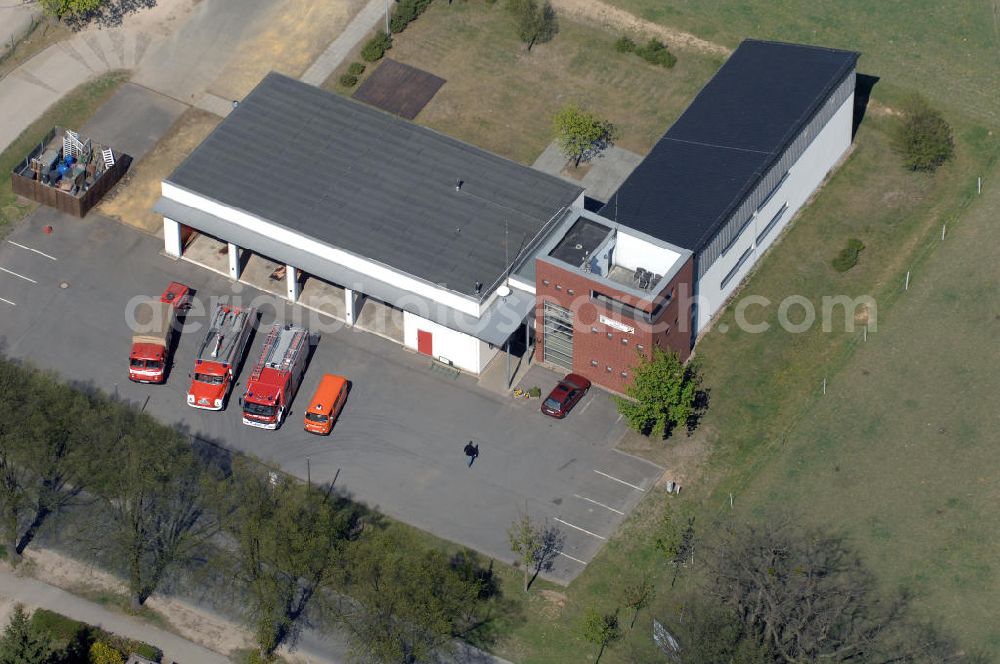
(194, 624)
(291, 36)
(132, 201)
(596, 11)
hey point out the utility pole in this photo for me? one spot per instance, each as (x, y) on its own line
(387, 17)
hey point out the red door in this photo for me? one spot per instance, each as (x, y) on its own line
(425, 342)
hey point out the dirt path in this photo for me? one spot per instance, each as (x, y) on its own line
(619, 19)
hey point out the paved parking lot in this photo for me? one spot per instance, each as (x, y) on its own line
(399, 443)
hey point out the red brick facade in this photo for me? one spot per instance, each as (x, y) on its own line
(613, 347)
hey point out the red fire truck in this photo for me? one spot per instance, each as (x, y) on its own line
(155, 326)
(219, 355)
(274, 381)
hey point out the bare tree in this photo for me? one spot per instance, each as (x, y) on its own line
(637, 596)
(806, 597)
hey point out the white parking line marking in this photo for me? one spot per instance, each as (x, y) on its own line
(638, 458)
(576, 495)
(611, 477)
(40, 253)
(566, 555)
(8, 302)
(19, 276)
(582, 530)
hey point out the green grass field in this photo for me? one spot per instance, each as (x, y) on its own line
(500, 97)
(949, 51)
(71, 111)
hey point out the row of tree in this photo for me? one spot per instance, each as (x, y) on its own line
(151, 504)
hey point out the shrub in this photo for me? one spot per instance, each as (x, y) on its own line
(152, 653)
(348, 80)
(102, 653)
(356, 68)
(406, 12)
(848, 256)
(656, 52)
(376, 47)
(625, 45)
(923, 138)
(535, 392)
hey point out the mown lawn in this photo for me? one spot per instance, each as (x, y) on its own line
(71, 111)
(949, 51)
(500, 97)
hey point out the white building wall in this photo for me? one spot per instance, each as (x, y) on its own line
(370, 268)
(804, 177)
(486, 354)
(631, 253)
(461, 349)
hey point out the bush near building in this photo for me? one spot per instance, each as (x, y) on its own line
(356, 68)
(375, 48)
(348, 80)
(624, 45)
(923, 139)
(406, 12)
(655, 52)
(848, 256)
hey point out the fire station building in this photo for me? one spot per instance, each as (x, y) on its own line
(470, 250)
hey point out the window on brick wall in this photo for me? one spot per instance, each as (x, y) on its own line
(594, 363)
(608, 368)
(593, 330)
(610, 336)
(624, 374)
(625, 341)
(640, 347)
(570, 291)
(558, 287)
(546, 282)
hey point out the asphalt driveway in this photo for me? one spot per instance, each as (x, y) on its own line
(398, 445)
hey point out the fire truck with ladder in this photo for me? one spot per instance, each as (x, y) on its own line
(156, 323)
(275, 380)
(219, 356)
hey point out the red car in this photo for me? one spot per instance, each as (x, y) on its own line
(565, 395)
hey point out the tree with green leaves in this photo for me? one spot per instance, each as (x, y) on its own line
(289, 541)
(20, 643)
(535, 546)
(159, 501)
(582, 135)
(405, 607)
(601, 629)
(923, 138)
(69, 8)
(47, 454)
(662, 394)
(536, 22)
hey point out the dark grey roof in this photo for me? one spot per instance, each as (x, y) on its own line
(727, 139)
(372, 184)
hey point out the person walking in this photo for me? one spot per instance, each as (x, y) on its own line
(471, 451)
